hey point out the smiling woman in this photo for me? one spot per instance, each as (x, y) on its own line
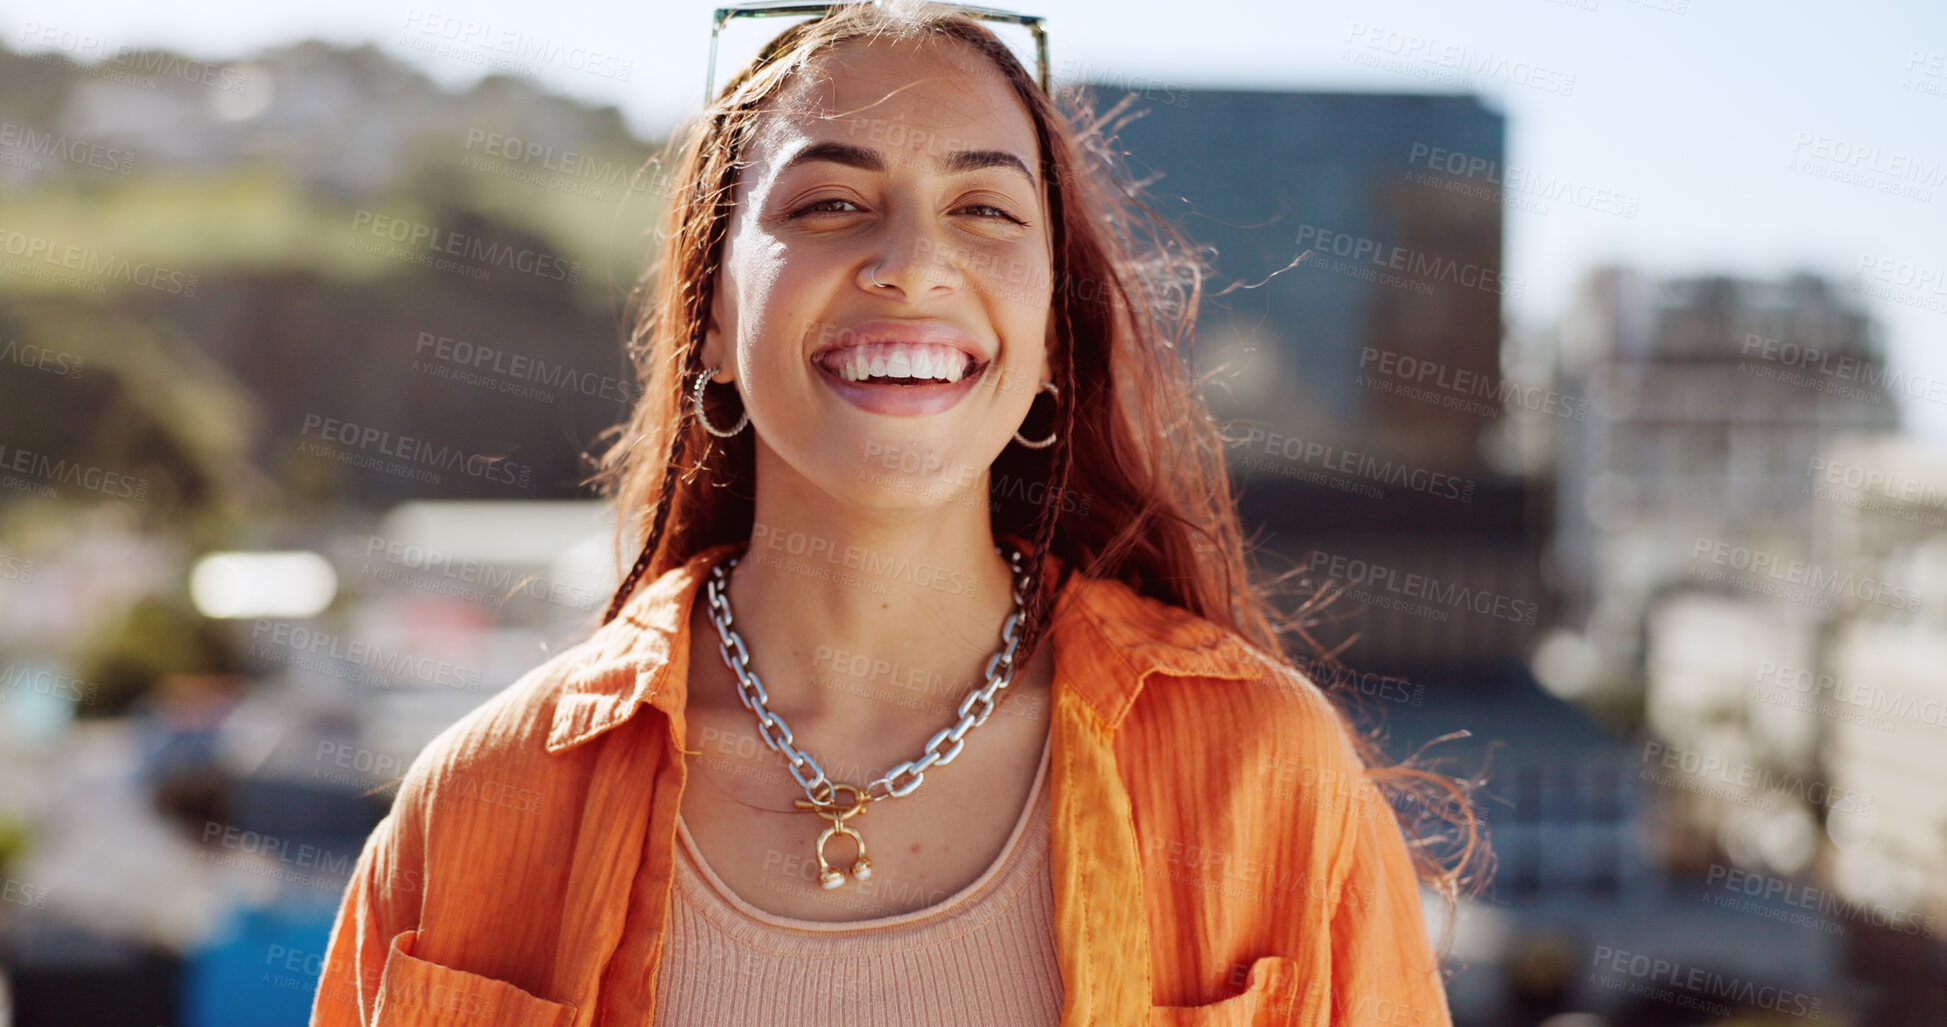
(899, 284)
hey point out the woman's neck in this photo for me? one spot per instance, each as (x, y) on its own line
(868, 620)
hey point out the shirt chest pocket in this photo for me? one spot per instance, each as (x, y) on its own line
(417, 993)
(1274, 996)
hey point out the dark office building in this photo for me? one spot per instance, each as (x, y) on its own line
(1365, 374)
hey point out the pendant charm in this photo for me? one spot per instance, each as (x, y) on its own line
(829, 876)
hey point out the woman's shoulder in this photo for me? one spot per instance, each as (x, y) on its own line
(531, 730)
(1189, 666)
(501, 745)
(1234, 749)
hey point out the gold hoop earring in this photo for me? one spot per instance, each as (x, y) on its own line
(703, 379)
(1049, 387)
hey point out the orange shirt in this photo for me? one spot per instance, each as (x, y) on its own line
(1219, 855)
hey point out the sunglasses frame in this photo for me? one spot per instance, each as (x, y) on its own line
(779, 8)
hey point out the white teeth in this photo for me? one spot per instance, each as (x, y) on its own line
(897, 360)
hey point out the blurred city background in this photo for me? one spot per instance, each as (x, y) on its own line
(1611, 384)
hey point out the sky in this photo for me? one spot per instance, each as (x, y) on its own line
(1753, 139)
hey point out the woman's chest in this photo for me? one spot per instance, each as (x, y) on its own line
(739, 803)
(739, 808)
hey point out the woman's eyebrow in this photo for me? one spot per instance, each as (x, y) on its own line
(865, 158)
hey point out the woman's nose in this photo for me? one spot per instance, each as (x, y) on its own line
(915, 260)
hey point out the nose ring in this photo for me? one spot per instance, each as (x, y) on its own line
(874, 273)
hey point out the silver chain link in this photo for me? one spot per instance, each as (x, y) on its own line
(777, 734)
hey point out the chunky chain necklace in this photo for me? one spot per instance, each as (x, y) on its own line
(822, 793)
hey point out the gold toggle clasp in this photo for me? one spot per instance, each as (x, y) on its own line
(828, 875)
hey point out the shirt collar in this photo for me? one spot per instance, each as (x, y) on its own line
(1108, 639)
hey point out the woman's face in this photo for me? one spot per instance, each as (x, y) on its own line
(918, 167)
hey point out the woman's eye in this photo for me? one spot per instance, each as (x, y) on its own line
(824, 206)
(996, 210)
(813, 208)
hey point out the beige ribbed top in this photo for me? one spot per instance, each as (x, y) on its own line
(984, 956)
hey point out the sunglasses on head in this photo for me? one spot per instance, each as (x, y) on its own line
(779, 8)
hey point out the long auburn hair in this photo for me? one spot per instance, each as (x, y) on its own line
(1135, 443)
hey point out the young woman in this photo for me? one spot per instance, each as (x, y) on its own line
(916, 446)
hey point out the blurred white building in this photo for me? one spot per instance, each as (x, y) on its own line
(1708, 400)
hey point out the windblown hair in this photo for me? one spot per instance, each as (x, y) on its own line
(1135, 488)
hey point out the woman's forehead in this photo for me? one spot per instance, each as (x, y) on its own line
(898, 95)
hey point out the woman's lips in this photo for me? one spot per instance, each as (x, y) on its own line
(935, 397)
